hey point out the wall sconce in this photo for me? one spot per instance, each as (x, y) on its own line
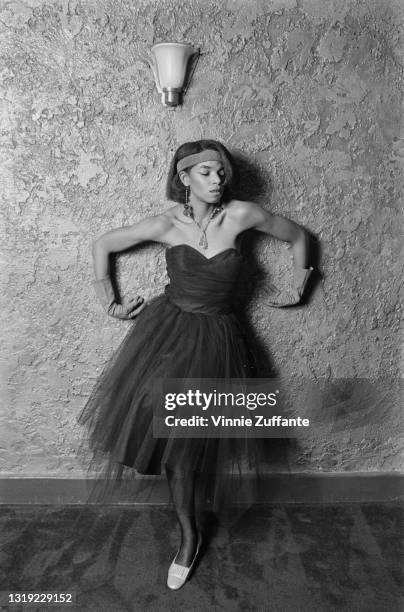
(172, 70)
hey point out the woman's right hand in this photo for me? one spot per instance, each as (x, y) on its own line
(129, 309)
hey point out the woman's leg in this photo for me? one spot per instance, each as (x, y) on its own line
(182, 488)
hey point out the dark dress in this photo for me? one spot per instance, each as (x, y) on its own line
(191, 331)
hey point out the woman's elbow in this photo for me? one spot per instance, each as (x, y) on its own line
(301, 236)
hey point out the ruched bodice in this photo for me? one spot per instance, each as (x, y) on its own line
(200, 284)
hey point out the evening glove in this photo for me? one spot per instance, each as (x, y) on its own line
(129, 308)
(291, 296)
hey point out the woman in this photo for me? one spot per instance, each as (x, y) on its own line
(189, 332)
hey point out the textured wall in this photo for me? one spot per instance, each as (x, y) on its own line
(308, 91)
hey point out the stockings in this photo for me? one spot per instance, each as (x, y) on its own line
(182, 489)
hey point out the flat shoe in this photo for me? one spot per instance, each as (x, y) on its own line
(178, 574)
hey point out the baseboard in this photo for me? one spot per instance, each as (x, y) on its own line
(274, 488)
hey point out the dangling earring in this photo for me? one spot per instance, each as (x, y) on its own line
(187, 207)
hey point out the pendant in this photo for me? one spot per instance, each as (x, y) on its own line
(203, 242)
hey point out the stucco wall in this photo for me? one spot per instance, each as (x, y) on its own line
(308, 91)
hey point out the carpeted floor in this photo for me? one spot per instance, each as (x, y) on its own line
(294, 557)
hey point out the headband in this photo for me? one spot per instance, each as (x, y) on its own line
(197, 158)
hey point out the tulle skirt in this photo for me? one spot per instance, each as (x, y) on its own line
(165, 341)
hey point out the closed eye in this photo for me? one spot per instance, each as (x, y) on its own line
(221, 174)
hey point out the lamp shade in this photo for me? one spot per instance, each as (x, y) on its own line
(170, 66)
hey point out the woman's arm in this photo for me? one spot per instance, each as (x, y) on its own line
(288, 231)
(248, 215)
(251, 216)
(152, 228)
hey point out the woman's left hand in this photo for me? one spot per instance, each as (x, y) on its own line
(294, 294)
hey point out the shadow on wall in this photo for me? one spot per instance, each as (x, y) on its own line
(253, 185)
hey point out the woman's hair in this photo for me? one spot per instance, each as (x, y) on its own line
(175, 190)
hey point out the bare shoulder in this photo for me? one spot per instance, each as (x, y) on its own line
(240, 207)
(175, 216)
(163, 221)
(153, 227)
(245, 214)
(158, 227)
(173, 213)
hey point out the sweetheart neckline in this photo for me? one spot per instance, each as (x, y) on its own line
(201, 254)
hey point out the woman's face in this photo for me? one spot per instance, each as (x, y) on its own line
(206, 181)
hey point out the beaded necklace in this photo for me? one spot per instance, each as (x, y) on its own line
(188, 212)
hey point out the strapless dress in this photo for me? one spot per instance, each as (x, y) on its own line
(190, 331)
